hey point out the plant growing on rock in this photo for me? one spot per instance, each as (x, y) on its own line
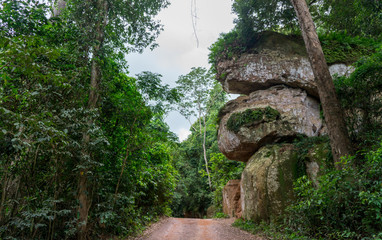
(251, 117)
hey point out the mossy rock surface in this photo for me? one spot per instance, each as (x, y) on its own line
(251, 116)
(289, 44)
(267, 182)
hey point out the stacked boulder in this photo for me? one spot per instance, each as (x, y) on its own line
(281, 104)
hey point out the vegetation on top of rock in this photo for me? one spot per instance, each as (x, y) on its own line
(342, 48)
(251, 116)
(337, 47)
(231, 45)
(226, 47)
(345, 27)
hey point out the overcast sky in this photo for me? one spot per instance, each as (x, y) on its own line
(178, 51)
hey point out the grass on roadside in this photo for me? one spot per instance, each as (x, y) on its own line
(270, 230)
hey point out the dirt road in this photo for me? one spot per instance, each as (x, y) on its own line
(196, 229)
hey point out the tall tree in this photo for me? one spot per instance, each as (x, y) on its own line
(195, 90)
(334, 118)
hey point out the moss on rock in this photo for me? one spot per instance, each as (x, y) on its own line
(251, 116)
(267, 180)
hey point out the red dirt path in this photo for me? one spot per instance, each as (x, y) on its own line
(197, 229)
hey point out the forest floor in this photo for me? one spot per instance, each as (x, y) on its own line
(196, 229)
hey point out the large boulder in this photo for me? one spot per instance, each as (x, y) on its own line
(275, 59)
(265, 117)
(267, 182)
(231, 199)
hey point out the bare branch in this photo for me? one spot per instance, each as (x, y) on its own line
(194, 16)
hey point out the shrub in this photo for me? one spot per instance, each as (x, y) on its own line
(227, 46)
(223, 170)
(346, 205)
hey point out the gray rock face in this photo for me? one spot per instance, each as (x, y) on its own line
(267, 182)
(299, 114)
(279, 60)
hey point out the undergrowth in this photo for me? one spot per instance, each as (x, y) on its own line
(271, 230)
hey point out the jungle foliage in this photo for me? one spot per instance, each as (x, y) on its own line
(44, 89)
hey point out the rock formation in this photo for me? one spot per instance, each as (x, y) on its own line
(295, 112)
(231, 199)
(267, 182)
(281, 104)
(276, 59)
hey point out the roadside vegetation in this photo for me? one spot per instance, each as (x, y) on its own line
(58, 151)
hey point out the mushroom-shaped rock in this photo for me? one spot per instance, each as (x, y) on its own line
(267, 182)
(264, 117)
(275, 59)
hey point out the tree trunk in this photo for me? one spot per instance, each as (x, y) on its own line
(4, 193)
(59, 6)
(205, 152)
(334, 118)
(95, 78)
(203, 132)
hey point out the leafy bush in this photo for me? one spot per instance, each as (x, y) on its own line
(220, 215)
(226, 47)
(347, 204)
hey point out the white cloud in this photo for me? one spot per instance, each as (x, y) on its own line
(177, 51)
(183, 134)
